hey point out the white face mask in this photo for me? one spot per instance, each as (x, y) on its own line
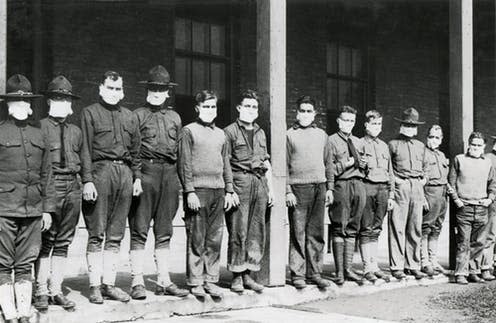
(433, 143)
(373, 130)
(157, 98)
(347, 123)
(19, 110)
(111, 91)
(408, 131)
(60, 109)
(248, 115)
(305, 119)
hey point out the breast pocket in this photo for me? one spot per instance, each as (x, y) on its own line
(103, 136)
(241, 150)
(55, 151)
(383, 161)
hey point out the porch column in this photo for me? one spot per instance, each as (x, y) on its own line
(3, 45)
(271, 84)
(461, 88)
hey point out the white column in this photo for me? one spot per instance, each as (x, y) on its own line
(3, 45)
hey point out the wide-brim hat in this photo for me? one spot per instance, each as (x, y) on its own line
(19, 87)
(60, 86)
(158, 75)
(410, 116)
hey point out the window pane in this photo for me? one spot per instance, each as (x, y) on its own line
(332, 94)
(218, 77)
(356, 63)
(218, 40)
(344, 61)
(200, 76)
(183, 34)
(358, 96)
(332, 58)
(345, 97)
(200, 37)
(183, 75)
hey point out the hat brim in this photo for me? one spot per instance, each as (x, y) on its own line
(20, 96)
(410, 121)
(158, 83)
(74, 96)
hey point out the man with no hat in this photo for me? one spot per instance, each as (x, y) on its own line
(379, 189)
(26, 199)
(349, 194)
(65, 146)
(309, 190)
(159, 126)
(252, 181)
(206, 177)
(405, 220)
(110, 163)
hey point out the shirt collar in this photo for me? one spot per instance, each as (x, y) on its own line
(110, 107)
(211, 124)
(256, 127)
(343, 136)
(370, 139)
(470, 156)
(158, 108)
(297, 125)
(56, 122)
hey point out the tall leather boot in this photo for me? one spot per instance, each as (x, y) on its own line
(338, 252)
(349, 250)
(7, 301)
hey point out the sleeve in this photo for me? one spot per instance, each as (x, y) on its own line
(87, 131)
(338, 166)
(391, 176)
(135, 149)
(452, 177)
(392, 151)
(227, 174)
(288, 163)
(329, 165)
(425, 164)
(184, 162)
(47, 181)
(491, 184)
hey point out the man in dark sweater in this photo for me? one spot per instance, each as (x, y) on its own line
(110, 162)
(309, 190)
(253, 184)
(206, 176)
(349, 194)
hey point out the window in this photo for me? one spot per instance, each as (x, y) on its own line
(201, 57)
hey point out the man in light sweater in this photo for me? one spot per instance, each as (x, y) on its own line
(253, 184)
(309, 189)
(349, 194)
(206, 177)
(474, 185)
(379, 189)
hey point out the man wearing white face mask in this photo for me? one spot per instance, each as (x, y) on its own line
(110, 163)
(159, 127)
(26, 199)
(435, 190)
(206, 177)
(405, 220)
(65, 145)
(379, 188)
(349, 194)
(253, 185)
(309, 190)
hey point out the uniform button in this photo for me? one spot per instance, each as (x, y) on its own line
(25, 141)
(28, 155)
(29, 169)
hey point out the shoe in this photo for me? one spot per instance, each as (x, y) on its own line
(237, 284)
(173, 290)
(23, 319)
(462, 280)
(62, 300)
(486, 275)
(96, 295)
(428, 270)
(138, 292)
(198, 291)
(320, 282)
(115, 293)
(299, 284)
(380, 275)
(214, 290)
(250, 283)
(370, 276)
(40, 302)
(439, 270)
(398, 274)
(415, 273)
(473, 278)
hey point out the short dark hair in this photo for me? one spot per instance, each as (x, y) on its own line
(114, 76)
(248, 94)
(435, 127)
(305, 99)
(347, 109)
(372, 115)
(476, 135)
(205, 95)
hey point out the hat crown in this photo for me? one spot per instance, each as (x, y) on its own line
(60, 84)
(410, 115)
(18, 83)
(158, 75)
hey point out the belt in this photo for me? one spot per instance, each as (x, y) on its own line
(159, 161)
(365, 180)
(347, 179)
(434, 185)
(253, 172)
(65, 176)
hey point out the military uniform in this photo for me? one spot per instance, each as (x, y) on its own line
(488, 261)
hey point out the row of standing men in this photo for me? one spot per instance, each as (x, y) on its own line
(148, 155)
